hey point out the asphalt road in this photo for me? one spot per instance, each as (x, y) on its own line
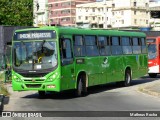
(108, 97)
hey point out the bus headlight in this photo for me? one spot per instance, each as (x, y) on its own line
(51, 78)
(16, 79)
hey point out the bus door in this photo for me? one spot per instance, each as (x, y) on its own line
(67, 63)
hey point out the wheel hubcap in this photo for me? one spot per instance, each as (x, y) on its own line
(80, 86)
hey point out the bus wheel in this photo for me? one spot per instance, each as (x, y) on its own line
(128, 78)
(153, 75)
(41, 94)
(81, 86)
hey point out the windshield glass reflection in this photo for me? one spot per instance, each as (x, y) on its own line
(152, 51)
(34, 55)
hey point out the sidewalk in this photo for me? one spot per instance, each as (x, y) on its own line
(151, 88)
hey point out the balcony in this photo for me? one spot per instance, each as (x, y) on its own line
(86, 21)
(79, 21)
(129, 7)
(100, 22)
(42, 11)
(93, 22)
(154, 8)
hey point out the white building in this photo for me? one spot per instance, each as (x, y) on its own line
(114, 14)
(94, 15)
(132, 14)
(40, 13)
(155, 22)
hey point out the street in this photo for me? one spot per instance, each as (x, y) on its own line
(100, 98)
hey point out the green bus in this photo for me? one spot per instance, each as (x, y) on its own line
(62, 58)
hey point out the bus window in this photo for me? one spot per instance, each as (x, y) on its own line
(143, 43)
(104, 47)
(136, 45)
(66, 52)
(127, 49)
(91, 46)
(79, 48)
(115, 46)
(152, 51)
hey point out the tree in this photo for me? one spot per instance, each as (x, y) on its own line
(16, 12)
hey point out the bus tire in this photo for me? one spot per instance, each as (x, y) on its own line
(41, 94)
(81, 86)
(153, 75)
(128, 79)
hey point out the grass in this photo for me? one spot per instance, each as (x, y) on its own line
(3, 88)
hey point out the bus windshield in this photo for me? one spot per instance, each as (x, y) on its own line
(35, 55)
(152, 51)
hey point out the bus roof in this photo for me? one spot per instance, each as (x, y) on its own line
(87, 31)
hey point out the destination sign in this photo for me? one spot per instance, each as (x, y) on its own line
(150, 40)
(34, 35)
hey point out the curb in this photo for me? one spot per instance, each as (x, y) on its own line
(150, 92)
(148, 89)
(1, 102)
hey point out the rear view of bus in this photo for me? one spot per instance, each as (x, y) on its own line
(153, 56)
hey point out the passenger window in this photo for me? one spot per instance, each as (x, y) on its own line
(66, 51)
(116, 48)
(136, 45)
(144, 47)
(90, 40)
(79, 48)
(104, 47)
(91, 46)
(126, 46)
(115, 41)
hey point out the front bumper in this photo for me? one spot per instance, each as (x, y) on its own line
(37, 86)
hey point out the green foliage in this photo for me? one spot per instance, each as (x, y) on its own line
(16, 12)
(3, 88)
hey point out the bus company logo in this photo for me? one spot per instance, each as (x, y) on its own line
(105, 63)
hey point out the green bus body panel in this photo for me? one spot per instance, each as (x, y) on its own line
(39, 83)
(96, 69)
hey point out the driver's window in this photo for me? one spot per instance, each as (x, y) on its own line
(66, 51)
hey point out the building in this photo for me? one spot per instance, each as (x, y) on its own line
(154, 6)
(114, 14)
(40, 12)
(63, 12)
(94, 15)
(133, 14)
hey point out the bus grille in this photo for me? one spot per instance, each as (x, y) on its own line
(33, 74)
(36, 80)
(33, 85)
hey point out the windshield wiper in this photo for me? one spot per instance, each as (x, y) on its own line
(42, 46)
